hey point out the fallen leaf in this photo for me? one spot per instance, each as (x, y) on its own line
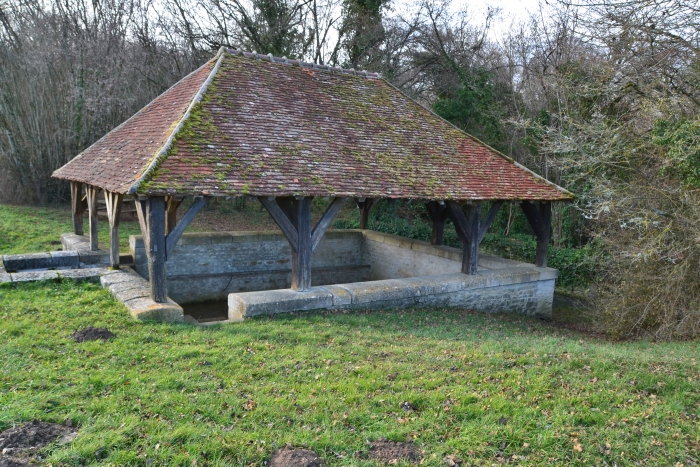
(578, 447)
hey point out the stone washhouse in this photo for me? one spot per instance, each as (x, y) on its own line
(285, 131)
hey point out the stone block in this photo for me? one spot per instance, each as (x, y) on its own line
(249, 304)
(27, 261)
(34, 276)
(61, 259)
(72, 242)
(5, 278)
(112, 277)
(94, 257)
(145, 309)
(92, 274)
(342, 298)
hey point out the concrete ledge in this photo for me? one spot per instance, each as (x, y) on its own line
(523, 290)
(81, 245)
(133, 291)
(34, 276)
(17, 263)
(247, 304)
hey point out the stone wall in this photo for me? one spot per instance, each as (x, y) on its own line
(209, 266)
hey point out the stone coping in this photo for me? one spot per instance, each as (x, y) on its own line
(89, 274)
(133, 291)
(412, 291)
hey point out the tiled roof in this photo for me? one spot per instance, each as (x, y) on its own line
(259, 125)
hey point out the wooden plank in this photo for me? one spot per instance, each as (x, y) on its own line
(172, 238)
(488, 220)
(155, 222)
(285, 225)
(301, 258)
(325, 221)
(113, 201)
(76, 198)
(92, 192)
(171, 205)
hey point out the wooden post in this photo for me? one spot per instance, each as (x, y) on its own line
(151, 212)
(76, 201)
(301, 258)
(293, 216)
(470, 252)
(113, 203)
(171, 205)
(365, 205)
(92, 192)
(540, 218)
(438, 214)
(471, 230)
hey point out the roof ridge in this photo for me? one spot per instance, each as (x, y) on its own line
(162, 153)
(301, 64)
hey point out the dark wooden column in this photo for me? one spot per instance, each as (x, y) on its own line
(171, 205)
(76, 201)
(301, 258)
(113, 203)
(438, 214)
(92, 192)
(293, 216)
(539, 215)
(151, 212)
(471, 230)
(364, 205)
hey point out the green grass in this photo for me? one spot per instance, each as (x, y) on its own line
(30, 229)
(485, 387)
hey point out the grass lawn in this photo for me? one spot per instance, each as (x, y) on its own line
(489, 389)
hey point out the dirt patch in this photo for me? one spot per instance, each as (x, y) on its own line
(19, 445)
(392, 451)
(295, 458)
(92, 334)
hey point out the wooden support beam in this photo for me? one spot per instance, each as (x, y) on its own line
(171, 205)
(301, 258)
(76, 201)
(113, 202)
(151, 212)
(539, 216)
(438, 215)
(282, 220)
(488, 220)
(92, 192)
(325, 221)
(364, 207)
(468, 226)
(175, 234)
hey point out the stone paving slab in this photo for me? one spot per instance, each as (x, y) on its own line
(92, 274)
(34, 276)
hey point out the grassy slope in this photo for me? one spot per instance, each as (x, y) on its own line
(28, 229)
(484, 387)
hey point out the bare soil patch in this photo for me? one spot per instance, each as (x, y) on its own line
(392, 451)
(92, 334)
(19, 445)
(295, 458)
